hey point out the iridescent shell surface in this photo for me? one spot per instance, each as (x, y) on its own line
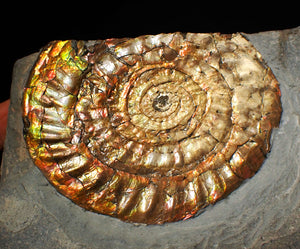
(150, 129)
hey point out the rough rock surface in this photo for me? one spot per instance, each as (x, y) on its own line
(263, 213)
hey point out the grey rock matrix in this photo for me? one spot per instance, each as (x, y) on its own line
(262, 213)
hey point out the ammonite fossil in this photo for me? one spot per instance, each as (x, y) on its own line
(150, 129)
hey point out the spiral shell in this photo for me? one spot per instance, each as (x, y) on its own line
(150, 129)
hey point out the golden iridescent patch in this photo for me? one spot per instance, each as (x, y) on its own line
(150, 129)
